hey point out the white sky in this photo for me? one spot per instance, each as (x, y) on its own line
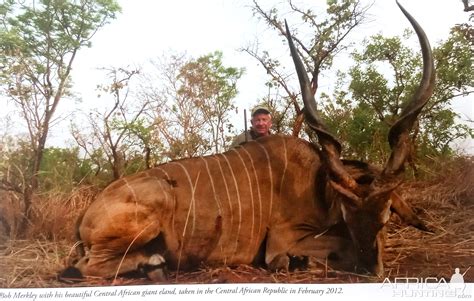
(147, 29)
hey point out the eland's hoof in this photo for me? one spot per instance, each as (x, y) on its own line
(155, 269)
(280, 263)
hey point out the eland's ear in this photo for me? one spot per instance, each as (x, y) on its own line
(349, 197)
(404, 210)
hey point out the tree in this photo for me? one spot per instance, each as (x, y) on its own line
(177, 123)
(192, 103)
(40, 41)
(15, 164)
(326, 41)
(61, 170)
(211, 87)
(385, 75)
(114, 132)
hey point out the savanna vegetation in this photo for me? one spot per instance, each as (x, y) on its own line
(177, 106)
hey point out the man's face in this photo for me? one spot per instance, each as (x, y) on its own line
(261, 123)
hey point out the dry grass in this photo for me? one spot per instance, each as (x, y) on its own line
(31, 263)
(446, 203)
(35, 260)
(54, 215)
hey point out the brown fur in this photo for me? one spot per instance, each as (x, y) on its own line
(280, 209)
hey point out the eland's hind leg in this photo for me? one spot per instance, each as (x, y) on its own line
(138, 250)
(106, 262)
(129, 246)
(109, 266)
(121, 228)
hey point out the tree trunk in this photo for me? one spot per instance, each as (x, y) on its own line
(147, 157)
(33, 183)
(116, 164)
(298, 124)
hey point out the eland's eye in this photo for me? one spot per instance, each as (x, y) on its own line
(365, 179)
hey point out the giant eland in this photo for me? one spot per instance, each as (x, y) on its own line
(267, 201)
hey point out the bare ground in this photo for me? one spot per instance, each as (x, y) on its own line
(446, 204)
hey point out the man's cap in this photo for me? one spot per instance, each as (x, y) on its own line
(260, 110)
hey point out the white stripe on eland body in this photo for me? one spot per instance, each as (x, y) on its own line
(260, 217)
(270, 171)
(107, 207)
(173, 228)
(191, 207)
(135, 198)
(107, 212)
(159, 180)
(228, 197)
(238, 202)
(192, 201)
(285, 152)
(129, 246)
(219, 206)
(251, 198)
(164, 192)
(216, 198)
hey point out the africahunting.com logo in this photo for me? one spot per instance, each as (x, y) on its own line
(430, 287)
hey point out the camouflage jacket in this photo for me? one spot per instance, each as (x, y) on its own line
(241, 139)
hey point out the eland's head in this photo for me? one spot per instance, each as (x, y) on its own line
(367, 199)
